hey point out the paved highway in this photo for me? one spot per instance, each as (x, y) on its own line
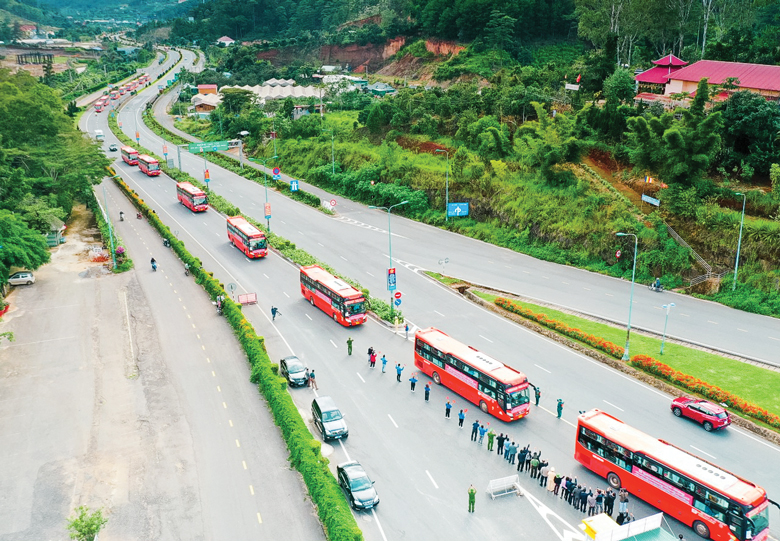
(422, 464)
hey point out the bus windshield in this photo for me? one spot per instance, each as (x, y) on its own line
(257, 244)
(517, 398)
(759, 521)
(356, 308)
(199, 199)
(153, 166)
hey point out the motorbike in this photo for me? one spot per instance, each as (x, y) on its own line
(653, 287)
(186, 270)
(166, 243)
(121, 216)
(154, 266)
(139, 216)
(218, 304)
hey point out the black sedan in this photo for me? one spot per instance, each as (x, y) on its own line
(292, 369)
(358, 487)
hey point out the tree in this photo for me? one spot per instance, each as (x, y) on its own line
(86, 525)
(619, 87)
(747, 120)
(235, 100)
(287, 108)
(22, 246)
(499, 30)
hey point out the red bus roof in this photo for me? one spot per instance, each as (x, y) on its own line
(146, 158)
(672, 456)
(477, 359)
(335, 284)
(190, 189)
(129, 150)
(245, 227)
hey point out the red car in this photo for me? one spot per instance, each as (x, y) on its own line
(711, 416)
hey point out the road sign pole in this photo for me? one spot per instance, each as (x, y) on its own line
(178, 151)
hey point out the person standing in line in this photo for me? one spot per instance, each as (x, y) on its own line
(551, 479)
(599, 501)
(560, 407)
(447, 408)
(491, 436)
(349, 345)
(586, 493)
(384, 363)
(398, 370)
(501, 439)
(544, 472)
(413, 380)
(472, 498)
(528, 458)
(609, 502)
(474, 430)
(521, 458)
(537, 394)
(313, 380)
(406, 328)
(482, 432)
(461, 418)
(591, 504)
(370, 352)
(574, 498)
(622, 502)
(427, 391)
(534, 466)
(512, 453)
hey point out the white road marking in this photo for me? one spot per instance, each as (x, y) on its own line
(442, 315)
(341, 442)
(264, 274)
(307, 315)
(488, 339)
(251, 490)
(586, 288)
(285, 223)
(705, 452)
(713, 322)
(545, 277)
(376, 518)
(431, 478)
(609, 294)
(300, 232)
(286, 295)
(542, 368)
(773, 338)
(567, 283)
(321, 244)
(369, 273)
(657, 307)
(507, 266)
(392, 420)
(526, 272)
(685, 315)
(361, 377)
(743, 330)
(243, 462)
(613, 405)
(334, 344)
(344, 258)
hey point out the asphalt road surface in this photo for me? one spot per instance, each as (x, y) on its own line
(422, 464)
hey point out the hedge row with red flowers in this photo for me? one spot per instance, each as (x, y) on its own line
(648, 364)
(594, 341)
(695, 385)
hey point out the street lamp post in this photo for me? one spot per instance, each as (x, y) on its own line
(389, 243)
(446, 186)
(631, 299)
(668, 307)
(332, 153)
(739, 243)
(265, 182)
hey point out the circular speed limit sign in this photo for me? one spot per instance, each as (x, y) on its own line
(618, 254)
(332, 202)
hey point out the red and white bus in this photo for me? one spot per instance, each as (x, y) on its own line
(716, 503)
(247, 237)
(192, 197)
(99, 107)
(148, 165)
(114, 94)
(332, 295)
(129, 155)
(496, 388)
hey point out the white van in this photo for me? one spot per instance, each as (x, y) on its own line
(99, 135)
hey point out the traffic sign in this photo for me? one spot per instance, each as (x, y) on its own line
(293, 185)
(207, 146)
(398, 302)
(333, 204)
(206, 175)
(458, 209)
(277, 171)
(267, 210)
(391, 283)
(617, 254)
(397, 295)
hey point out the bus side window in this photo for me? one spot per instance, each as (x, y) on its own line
(487, 390)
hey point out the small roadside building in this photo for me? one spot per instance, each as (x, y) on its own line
(654, 80)
(207, 89)
(225, 41)
(380, 89)
(762, 79)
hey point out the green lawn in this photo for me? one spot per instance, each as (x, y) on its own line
(754, 384)
(445, 279)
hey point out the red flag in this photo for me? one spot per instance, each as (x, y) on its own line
(579, 76)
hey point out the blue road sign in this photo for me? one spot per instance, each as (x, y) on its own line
(651, 200)
(397, 302)
(458, 209)
(293, 185)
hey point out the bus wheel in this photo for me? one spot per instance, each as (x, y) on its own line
(701, 529)
(311, 300)
(436, 378)
(483, 406)
(613, 480)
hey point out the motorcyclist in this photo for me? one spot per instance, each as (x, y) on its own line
(657, 284)
(154, 264)
(121, 216)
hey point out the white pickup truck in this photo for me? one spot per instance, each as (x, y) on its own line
(99, 135)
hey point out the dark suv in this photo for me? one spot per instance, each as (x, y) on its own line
(292, 369)
(328, 418)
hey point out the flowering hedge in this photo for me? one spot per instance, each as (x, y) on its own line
(695, 385)
(599, 343)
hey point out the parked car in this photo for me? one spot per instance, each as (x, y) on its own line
(24, 278)
(292, 369)
(112, 147)
(328, 418)
(356, 484)
(710, 416)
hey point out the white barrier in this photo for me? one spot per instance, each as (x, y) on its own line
(504, 486)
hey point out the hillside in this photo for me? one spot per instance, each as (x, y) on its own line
(137, 10)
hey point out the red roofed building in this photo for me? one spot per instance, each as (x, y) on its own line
(654, 79)
(207, 89)
(759, 78)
